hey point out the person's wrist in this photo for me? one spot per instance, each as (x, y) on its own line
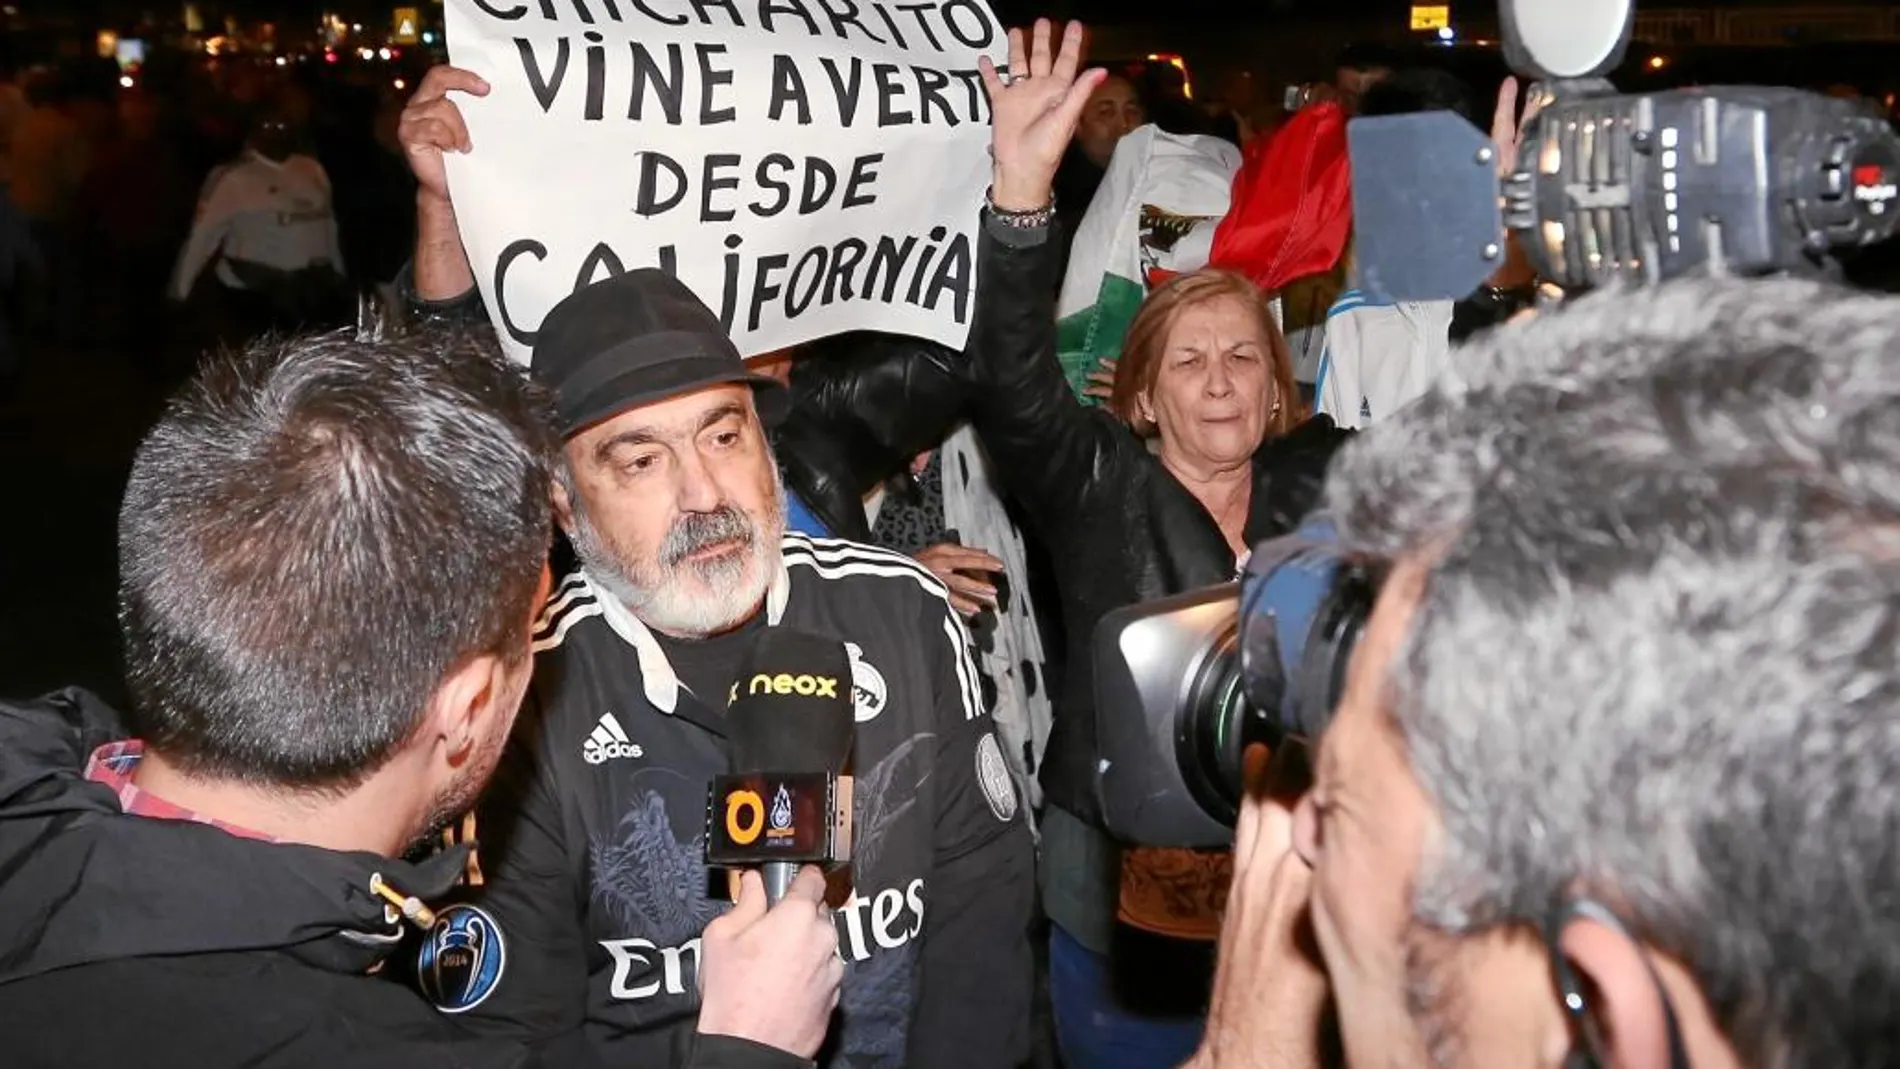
(431, 203)
(1016, 192)
(736, 1031)
(718, 1048)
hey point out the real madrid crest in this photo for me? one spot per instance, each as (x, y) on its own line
(992, 774)
(869, 692)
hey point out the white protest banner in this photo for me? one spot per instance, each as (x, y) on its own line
(805, 166)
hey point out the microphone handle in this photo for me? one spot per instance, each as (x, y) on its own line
(778, 879)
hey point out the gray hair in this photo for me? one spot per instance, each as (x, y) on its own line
(1655, 660)
(317, 532)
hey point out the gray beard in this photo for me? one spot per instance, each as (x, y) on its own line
(737, 581)
(1431, 993)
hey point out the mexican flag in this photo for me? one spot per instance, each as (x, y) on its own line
(1157, 208)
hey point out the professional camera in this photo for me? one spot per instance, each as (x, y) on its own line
(1723, 180)
(1737, 181)
(1186, 684)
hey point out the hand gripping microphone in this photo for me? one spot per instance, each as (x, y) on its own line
(791, 725)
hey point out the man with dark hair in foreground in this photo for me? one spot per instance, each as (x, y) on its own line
(1615, 779)
(331, 554)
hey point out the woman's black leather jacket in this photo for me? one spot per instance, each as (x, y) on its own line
(1120, 529)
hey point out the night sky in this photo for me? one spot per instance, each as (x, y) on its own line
(1014, 11)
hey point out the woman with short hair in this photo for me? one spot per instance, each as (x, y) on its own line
(1208, 457)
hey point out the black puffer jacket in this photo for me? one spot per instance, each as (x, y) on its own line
(170, 944)
(863, 405)
(1120, 528)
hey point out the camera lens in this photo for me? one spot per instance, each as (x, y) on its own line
(1213, 729)
(1187, 684)
(1275, 672)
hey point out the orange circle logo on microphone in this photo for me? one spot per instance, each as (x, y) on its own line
(745, 817)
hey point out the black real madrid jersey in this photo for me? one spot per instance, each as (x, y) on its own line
(592, 888)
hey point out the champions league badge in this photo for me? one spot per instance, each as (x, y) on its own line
(461, 960)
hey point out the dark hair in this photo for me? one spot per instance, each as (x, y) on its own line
(318, 530)
(1415, 89)
(1654, 663)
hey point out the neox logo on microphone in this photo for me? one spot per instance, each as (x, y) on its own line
(786, 684)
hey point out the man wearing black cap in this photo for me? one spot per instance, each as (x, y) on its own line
(591, 847)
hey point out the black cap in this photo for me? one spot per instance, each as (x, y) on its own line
(635, 339)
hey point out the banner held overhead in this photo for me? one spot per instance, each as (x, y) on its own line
(805, 167)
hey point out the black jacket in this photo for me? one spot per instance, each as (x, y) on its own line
(592, 840)
(863, 405)
(1122, 529)
(132, 941)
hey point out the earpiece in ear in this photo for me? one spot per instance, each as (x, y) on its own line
(1618, 1008)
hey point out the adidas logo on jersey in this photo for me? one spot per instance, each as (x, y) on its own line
(608, 741)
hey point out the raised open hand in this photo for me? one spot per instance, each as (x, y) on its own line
(1034, 110)
(1507, 125)
(1507, 133)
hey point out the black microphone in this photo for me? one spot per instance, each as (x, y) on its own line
(791, 724)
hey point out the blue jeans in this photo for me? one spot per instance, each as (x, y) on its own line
(1095, 1024)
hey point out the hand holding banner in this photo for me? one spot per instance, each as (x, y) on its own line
(805, 166)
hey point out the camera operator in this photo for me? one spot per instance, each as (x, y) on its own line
(331, 553)
(1612, 780)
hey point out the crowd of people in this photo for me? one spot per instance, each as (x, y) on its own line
(430, 660)
(183, 210)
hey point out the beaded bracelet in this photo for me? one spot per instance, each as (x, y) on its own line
(1031, 219)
